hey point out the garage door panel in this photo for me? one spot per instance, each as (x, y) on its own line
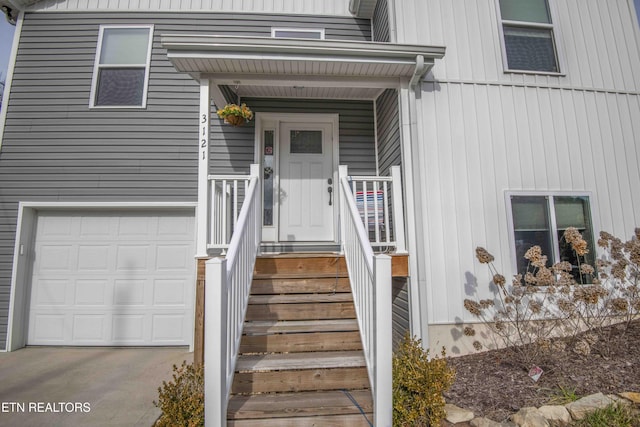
(91, 292)
(116, 278)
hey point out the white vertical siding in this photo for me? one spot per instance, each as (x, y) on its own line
(483, 140)
(599, 41)
(316, 7)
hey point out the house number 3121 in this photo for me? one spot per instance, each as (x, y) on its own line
(203, 141)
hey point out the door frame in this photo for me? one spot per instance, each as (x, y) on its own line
(271, 122)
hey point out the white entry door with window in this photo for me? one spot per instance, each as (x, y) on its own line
(306, 182)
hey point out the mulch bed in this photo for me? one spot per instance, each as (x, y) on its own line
(493, 384)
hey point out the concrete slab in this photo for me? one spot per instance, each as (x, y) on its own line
(95, 387)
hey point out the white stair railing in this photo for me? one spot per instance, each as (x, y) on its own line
(370, 277)
(228, 284)
(226, 198)
(379, 203)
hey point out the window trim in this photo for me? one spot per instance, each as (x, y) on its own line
(299, 30)
(97, 67)
(555, 35)
(552, 221)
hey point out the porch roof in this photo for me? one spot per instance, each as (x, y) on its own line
(279, 67)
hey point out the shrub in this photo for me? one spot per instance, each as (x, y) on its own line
(564, 299)
(418, 384)
(182, 400)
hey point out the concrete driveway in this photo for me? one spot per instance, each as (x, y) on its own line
(53, 386)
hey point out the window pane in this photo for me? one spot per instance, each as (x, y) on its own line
(574, 212)
(306, 142)
(122, 46)
(530, 49)
(525, 10)
(267, 162)
(531, 227)
(120, 86)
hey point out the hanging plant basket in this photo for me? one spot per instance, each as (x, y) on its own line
(235, 115)
(235, 120)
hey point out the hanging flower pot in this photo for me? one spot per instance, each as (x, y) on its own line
(235, 115)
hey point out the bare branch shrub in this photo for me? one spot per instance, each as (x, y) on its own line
(564, 300)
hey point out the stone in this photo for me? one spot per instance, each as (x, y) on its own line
(486, 422)
(457, 415)
(580, 408)
(530, 417)
(631, 396)
(556, 415)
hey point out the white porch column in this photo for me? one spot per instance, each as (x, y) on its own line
(203, 167)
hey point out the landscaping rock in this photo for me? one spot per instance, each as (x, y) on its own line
(588, 404)
(557, 416)
(457, 415)
(631, 396)
(530, 417)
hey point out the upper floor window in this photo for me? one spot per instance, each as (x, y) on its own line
(542, 219)
(528, 36)
(121, 70)
(298, 33)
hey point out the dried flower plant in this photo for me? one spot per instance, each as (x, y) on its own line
(564, 300)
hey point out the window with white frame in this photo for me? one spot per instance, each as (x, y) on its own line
(121, 70)
(298, 33)
(541, 220)
(528, 37)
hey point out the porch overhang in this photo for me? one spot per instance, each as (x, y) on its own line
(272, 67)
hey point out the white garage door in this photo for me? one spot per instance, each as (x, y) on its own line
(113, 278)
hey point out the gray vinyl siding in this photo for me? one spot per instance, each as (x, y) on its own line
(232, 148)
(400, 309)
(381, 22)
(389, 148)
(57, 149)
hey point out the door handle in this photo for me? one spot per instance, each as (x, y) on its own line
(330, 189)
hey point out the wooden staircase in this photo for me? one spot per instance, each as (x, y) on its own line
(301, 361)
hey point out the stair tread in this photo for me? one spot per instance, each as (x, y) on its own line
(289, 326)
(301, 404)
(293, 361)
(301, 298)
(299, 275)
(349, 420)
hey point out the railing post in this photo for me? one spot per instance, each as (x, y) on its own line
(215, 343)
(398, 210)
(383, 382)
(343, 172)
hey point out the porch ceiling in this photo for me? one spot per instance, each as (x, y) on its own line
(270, 67)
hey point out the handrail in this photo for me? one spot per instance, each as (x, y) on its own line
(228, 284)
(379, 203)
(370, 278)
(225, 199)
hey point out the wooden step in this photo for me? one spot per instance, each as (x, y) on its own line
(311, 360)
(296, 326)
(303, 342)
(300, 380)
(286, 285)
(322, 421)
(300, 298)
(304, 404)
(309, 311)
(307, 264)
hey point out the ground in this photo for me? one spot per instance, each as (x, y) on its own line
(492, 384)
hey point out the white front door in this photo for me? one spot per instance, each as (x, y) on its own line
(307, 194)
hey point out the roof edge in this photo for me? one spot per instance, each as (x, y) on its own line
(334, 48)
